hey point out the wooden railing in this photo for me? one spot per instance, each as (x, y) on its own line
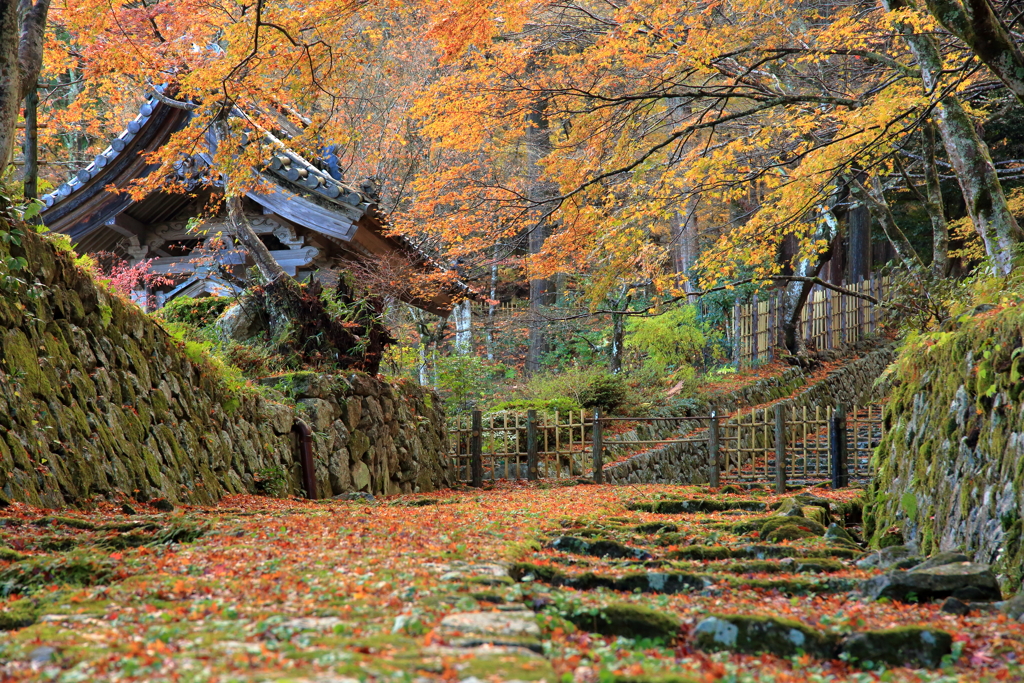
(829, 319)
(814, 445)
(823, 444)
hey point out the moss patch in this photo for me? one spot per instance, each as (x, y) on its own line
(628, 620)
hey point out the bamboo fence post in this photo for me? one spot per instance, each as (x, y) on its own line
(715, 473)
(780, 450)
(476, 460)
(531, 445)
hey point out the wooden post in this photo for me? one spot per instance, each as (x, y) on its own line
(598, 449)
(476, 448)
(780, 450)
(531, 445)
(737, 340)
(716, 466)
(837, 447)
(754, 329)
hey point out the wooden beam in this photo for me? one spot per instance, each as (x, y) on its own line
(337, 223)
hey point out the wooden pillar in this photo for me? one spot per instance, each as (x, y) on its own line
(598, 449)
(837, 447)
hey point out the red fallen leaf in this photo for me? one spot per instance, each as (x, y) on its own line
(116, 556)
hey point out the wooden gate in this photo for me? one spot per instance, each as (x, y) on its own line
(808, 440)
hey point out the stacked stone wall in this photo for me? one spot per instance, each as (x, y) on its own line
(949, 474)
(98, 401)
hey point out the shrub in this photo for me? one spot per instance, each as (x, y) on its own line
(671, 340)
(196, 312)
(585, 387)
(461, 380)
(562, 404)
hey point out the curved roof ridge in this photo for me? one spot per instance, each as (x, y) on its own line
(84, 175)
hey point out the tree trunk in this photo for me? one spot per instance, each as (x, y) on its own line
(21, 57)
(968, 154)
(796, 293)
(462, 315)
(10, 78)
(618, 332)
(31, 176)
(538, 145)
(935, 206)
(976, 23)
(874, 196)
(492, 306)
(269, 268)
(858, 221)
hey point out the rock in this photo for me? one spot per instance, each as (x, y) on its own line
(899, 556)
(790, 532)
(759, 635)
(1014, 607)
(838, 533)
(469, 629)
(355, 495)
(892, 537)
(41, 655)
(818, 514)
(4, 503)
(940, 559)
(774, 523)
(127, 509)
(162, 504)
(628, 620)
(601, 548)
(240, 322)
(910, 646)
(964, 580)
(312, 623)
(360, 475)
(954, 606)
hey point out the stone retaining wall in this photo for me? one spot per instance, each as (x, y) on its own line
(98, 402)
(687, 463)
(950, 470)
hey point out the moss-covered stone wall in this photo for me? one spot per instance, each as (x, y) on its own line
(96, 400)
(950, 471)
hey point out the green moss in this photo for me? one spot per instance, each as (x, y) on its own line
(75, 569)
(775, 523)
(628, 620)
(18, 614)
(761, 635)
(790, 532)
(655, 527)
(701, 552)
(8, 555)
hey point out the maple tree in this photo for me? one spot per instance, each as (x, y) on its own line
(754, 124)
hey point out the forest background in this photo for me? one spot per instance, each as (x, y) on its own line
(587, 168)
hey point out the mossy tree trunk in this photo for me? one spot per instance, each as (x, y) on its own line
(934, 205)
(873, 196)
(968, 153)
(976, 23)
(21, 57)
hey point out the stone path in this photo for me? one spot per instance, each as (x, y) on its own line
(585, 584)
